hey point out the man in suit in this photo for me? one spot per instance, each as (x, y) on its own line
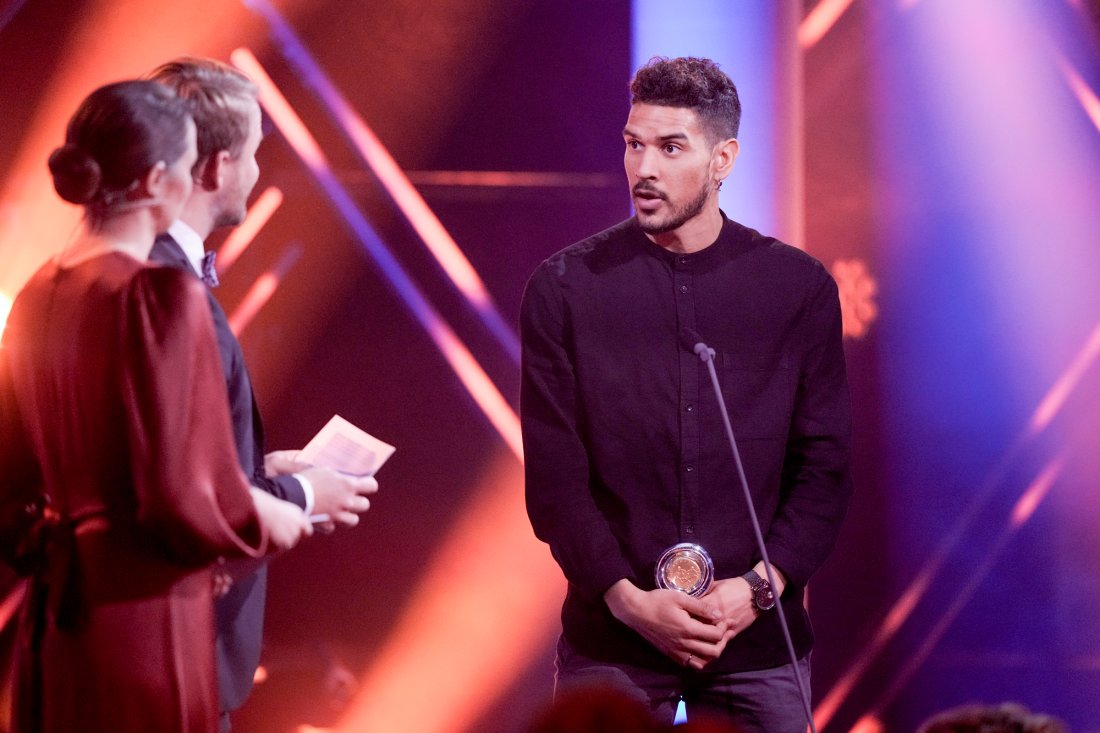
(227, 116)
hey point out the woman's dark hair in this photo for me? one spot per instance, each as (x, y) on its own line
(118, 133)
(694, 83)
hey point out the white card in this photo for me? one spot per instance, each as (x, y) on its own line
(345, 448)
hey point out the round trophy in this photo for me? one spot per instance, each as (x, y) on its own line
(687, 568)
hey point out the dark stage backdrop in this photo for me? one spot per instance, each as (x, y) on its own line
(945, 377)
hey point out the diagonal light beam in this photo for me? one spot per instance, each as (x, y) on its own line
(242, 236)
(488, 398)
(12, 602)
(488, 602)
(1056, 398)
(262, 290)
(427, 225)
(1023, 511)
(1082, 91)
(820, 21)
(902, 609)
(5, 309)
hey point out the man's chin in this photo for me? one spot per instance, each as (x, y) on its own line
(655, 225)
(229, 219)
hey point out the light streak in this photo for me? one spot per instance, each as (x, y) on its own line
(902, 609)
(11, 603)
(488, 398)
(1082, 91)
(820, 21)
(239, 239)
(427, 225)
(961, 595)
(5, 309)
(1056, 398)
(262, 290)
(488, 602)
(512, 179)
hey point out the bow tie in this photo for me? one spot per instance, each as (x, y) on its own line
(209, 273)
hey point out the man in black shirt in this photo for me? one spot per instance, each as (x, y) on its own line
(625, 450)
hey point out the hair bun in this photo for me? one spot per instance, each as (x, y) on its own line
(76, 174)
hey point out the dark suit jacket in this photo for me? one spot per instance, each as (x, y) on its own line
(239, 613)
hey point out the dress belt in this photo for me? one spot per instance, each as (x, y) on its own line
(60, 571)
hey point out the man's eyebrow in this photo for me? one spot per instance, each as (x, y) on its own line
(677, 136)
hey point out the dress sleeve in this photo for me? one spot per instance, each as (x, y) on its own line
(817, 481)
(21, 497)
(560, 504)
(190, 491)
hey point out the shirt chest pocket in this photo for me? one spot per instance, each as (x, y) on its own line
(759, 394)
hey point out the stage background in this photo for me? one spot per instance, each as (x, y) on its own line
(950, 169)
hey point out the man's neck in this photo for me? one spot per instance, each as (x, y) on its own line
(199, 215)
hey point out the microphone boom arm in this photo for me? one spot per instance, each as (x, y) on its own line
(706, 354)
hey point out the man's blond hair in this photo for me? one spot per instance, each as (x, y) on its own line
(220, 99)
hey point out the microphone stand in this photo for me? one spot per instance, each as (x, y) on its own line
(706, 354)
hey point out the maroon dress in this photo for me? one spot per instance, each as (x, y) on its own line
(112, 404)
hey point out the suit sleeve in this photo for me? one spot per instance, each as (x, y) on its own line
(560, 504)
(190, 491)
(247, 423)
(284, 487)
(817, 482)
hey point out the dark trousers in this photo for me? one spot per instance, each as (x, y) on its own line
(761, 701)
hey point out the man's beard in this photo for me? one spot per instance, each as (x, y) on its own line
(679, 216)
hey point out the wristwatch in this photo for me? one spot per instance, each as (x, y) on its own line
(762, 597)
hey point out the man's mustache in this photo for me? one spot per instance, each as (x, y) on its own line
(646, 187)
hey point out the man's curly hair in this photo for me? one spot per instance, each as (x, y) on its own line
(694, 83)
(1004, 718)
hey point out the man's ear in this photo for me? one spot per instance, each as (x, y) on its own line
(209, 174)
(153, 182)
(725, 154)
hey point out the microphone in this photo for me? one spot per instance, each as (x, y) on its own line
(695, 344)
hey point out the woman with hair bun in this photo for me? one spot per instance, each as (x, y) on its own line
(120, 484)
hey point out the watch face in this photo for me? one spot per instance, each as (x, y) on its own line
(763, 597)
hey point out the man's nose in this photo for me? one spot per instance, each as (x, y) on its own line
(647, 164)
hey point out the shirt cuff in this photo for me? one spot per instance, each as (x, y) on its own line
(307, 491)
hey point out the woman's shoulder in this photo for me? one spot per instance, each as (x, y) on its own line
(167, 292)
(167, 280)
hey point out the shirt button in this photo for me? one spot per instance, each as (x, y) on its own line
(683, 288)
(690, 408)
(690, 529)
(683, 260)
(689, 468)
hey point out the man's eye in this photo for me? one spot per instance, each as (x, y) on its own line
(670, 148)
(633, 144)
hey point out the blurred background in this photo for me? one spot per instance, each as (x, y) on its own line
(941, 158)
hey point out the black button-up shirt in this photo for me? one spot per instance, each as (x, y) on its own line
(624, 446)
